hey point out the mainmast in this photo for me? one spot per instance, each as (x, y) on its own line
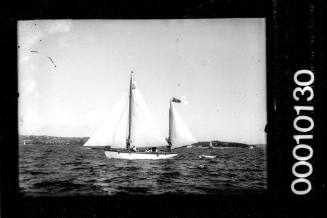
(130, 99)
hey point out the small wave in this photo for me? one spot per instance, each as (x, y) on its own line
(171, 174)
(38, 173)
(80, 168)
(209, 190)
(57, 184)
(73, 163)
(130, 168)
(230, 175)
(139, 190)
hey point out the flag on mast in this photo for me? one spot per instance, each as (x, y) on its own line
(176, 100)
(133, 85)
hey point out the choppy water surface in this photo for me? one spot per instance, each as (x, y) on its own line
(75, 170)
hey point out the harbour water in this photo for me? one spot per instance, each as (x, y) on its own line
(73, 170)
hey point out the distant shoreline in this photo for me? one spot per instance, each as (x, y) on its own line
(59, 140)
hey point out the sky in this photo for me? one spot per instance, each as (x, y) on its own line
(72, 72)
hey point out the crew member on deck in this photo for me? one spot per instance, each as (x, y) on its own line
(169, 145)
(134, 148)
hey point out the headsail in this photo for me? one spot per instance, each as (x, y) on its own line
(113, 129)
(179, 134)
(130, 119)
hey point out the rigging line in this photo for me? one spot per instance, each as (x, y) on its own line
(52, 61)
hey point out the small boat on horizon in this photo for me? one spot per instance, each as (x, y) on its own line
(130, 127)
(207, 156)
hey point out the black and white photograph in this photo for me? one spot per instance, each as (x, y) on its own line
(210, 108)
(142, 107)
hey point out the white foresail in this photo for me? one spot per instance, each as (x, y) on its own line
(113, 130)
(145, 132)
(179, 134)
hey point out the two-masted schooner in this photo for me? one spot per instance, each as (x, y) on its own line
(129, 130)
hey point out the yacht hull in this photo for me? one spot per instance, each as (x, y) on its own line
(139, 155)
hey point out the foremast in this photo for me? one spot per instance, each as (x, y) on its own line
(170, 124)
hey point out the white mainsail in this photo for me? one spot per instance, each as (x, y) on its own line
(114, 130)
(145, 132)
(179, 134)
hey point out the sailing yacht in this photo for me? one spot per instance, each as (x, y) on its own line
(129, 128)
